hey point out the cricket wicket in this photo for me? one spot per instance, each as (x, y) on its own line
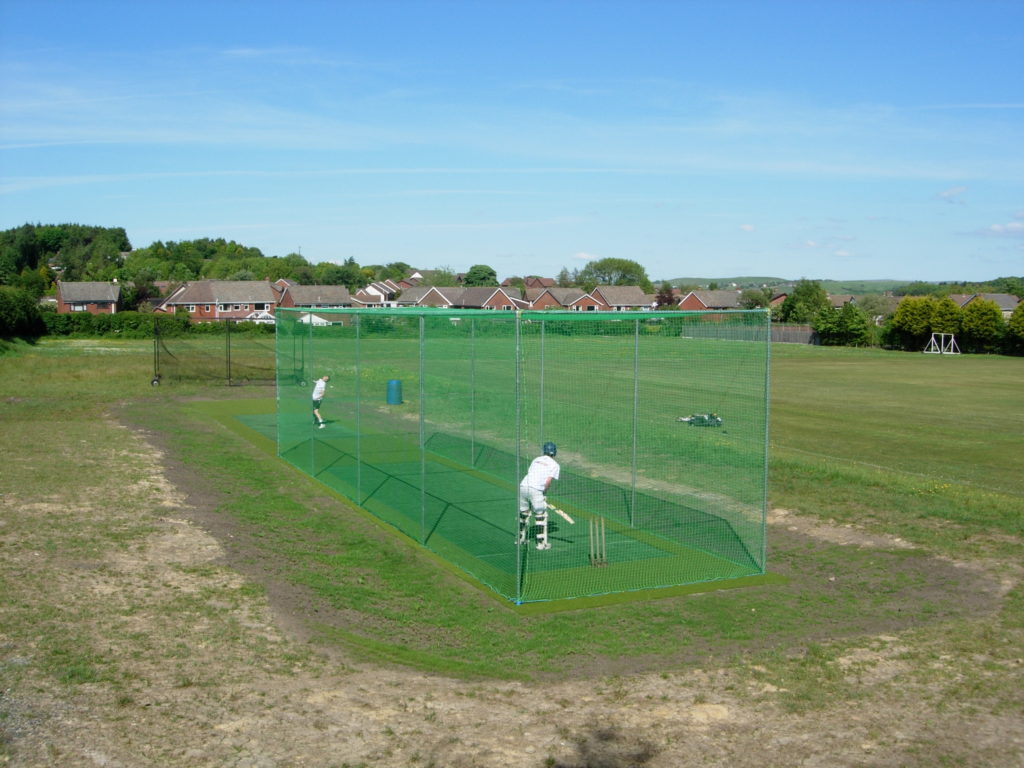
(598, 544)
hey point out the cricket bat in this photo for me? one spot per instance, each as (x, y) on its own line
(564, 515)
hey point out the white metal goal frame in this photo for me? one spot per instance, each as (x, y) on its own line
(942, 344)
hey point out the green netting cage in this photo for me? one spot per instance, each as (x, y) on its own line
(433, 417)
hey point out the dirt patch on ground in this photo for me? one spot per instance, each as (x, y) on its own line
(847, 535)
(222, 675)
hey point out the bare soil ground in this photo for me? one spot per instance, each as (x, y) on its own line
(224, 675)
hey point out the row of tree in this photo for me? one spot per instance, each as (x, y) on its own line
(979, 326)
(1010, 285)
(33, 256)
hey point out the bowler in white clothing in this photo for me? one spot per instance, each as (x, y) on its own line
(319, 390)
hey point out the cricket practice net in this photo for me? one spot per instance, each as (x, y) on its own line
(227, 350)
(433, 416)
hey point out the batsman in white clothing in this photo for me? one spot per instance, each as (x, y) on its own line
(532, 492)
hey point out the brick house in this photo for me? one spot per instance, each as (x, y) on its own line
(530, 282)
(426, 296)
(840, 300)
(487, 297)
(530, 294)
(378, 294)
(622, 298)
(1006, 302)
(214, 300)
(424, 277)
(94, 298)
(316, 296)
(710, 300)
(573, 299)
(475, 297)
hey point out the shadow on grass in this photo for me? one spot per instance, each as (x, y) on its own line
(607, 746)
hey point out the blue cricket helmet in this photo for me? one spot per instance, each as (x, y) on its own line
(549, 449)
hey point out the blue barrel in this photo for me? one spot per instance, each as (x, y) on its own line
(394, 392)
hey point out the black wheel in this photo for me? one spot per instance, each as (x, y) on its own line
(155, 382)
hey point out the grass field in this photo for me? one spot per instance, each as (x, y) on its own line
(918, 455)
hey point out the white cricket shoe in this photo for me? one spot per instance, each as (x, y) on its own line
(322, 425)
(543, 545)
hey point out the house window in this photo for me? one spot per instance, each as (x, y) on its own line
(206, 308)
(223, 307)
(260, 307)
(191, 307)
(79, 308)
(237, 307)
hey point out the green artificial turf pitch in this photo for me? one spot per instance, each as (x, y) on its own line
(467, 517)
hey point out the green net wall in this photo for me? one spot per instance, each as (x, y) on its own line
(433, 417)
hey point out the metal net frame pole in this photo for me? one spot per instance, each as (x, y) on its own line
(422, 437)
(519, 437)
(312, 362)
(636, 416)
(767, 423)
(359, 407)
(278, 319)
(156, 348)
(472, 389)
(227, 350)
(541, 437)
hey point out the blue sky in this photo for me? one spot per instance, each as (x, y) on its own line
(826, 140)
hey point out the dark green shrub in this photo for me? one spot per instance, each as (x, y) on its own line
(19, 315)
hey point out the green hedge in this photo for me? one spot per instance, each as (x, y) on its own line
(139, 325)
(19, 315)
(129, 325)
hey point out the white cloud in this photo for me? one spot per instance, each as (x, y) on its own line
(1013, 229)
(977, 105)
(954, 195)
(582, 256)
(257, 53)
(747, 227)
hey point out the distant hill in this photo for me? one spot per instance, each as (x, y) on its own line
(855, 287)
(861, 287)
(726, 282)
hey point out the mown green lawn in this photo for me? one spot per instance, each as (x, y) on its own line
(900, 440)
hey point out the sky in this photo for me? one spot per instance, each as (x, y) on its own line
(841, 140)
